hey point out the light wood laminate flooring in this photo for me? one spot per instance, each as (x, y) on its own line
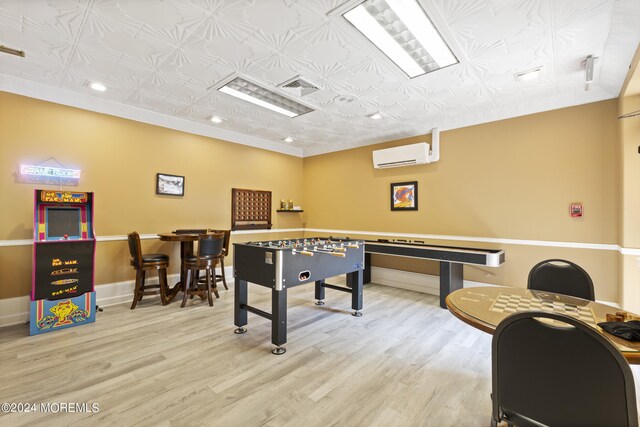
(406, 362)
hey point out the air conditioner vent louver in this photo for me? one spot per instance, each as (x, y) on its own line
(299, 86)
(396, 164)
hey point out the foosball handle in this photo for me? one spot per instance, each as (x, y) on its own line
(303, 252)
(339, 254)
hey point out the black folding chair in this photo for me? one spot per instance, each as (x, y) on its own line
(560, 373)
(561, 277)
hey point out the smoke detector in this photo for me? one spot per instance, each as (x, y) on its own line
(299, 86)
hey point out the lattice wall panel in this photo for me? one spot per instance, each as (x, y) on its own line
(250, 209)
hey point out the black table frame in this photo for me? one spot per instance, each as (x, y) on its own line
(278, 315)
(452, 260)
(281, 269)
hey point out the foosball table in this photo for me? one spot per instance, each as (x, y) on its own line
(281, 265)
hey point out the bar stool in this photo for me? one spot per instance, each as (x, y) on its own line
(143, 262)
(210, 249)
(225, 253)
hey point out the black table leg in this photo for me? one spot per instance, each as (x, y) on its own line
(450, 279)
(319, 292)
(278, 320)
(240, 310)
(366, 273)
(354, 281)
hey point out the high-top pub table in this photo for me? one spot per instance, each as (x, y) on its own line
(485, 307)
(186, 239)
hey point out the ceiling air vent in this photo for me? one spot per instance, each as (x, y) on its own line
(299, 86)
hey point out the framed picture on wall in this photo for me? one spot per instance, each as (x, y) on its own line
(169, 185)
(404, 196)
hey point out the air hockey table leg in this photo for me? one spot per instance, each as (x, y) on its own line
(279, 320)
(450, 280)
(240, 310)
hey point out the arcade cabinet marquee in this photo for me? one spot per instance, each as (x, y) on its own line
(62, 289)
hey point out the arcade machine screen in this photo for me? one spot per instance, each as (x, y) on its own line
(63, 223)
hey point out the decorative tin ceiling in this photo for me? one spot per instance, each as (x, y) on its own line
(162, 60)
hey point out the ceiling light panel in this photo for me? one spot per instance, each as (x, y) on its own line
(402, 30)
(251, 92)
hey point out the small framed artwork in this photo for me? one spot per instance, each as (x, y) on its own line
(169, 185)
(404, 196)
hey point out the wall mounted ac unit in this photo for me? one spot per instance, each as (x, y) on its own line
(408, 155)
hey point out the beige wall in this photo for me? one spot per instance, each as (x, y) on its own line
(629, 131)
(511, 179)
(119, 159)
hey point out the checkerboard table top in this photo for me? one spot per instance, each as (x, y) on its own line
(485, 307)
(509, 303)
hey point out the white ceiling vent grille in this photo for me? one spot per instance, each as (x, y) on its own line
(299, 86)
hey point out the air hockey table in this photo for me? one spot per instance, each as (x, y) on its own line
(452, 259)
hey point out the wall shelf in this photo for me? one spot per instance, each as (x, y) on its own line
(289, 210)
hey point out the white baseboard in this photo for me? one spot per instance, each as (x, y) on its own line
(16, 310)
(418, 282)
(119, 292)
(426, 283)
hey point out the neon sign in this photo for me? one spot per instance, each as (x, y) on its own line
(49, 172)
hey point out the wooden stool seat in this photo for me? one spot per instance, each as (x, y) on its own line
(155, 258)
(210, 249)
(143, 263)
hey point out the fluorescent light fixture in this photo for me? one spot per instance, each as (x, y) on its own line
(97, 86)
(288, 139)
(402, 30)
(375, 116)
(528, 75)
(215, 119)
(251, 92)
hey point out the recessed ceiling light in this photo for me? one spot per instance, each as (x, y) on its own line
(215, 119)
(97, 86)
(528, 75)
(251, 92)
(375, 116)
(288, 139)
(402, 30)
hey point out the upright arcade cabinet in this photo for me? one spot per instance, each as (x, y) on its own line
(64, 245)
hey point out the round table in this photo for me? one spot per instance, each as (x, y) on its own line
(186, 249)
(485, 307)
